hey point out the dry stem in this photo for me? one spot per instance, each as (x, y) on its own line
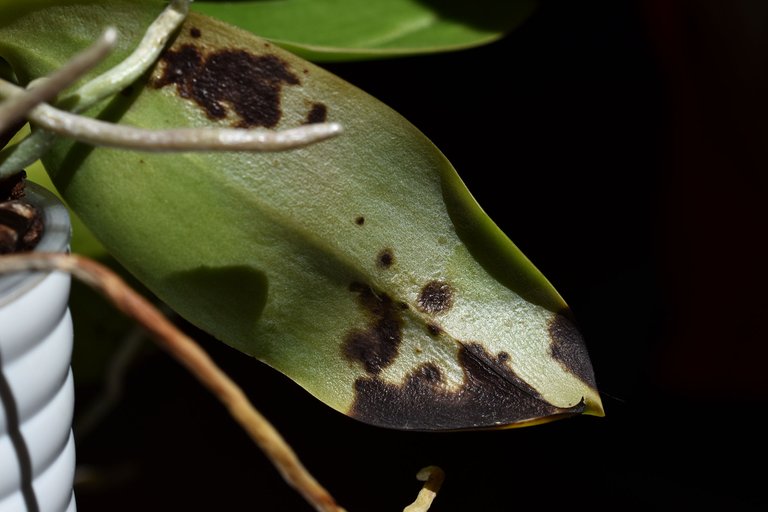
(190, 355)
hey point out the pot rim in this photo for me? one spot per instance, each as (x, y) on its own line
(56, 237)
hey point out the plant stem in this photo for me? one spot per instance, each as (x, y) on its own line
(187, 352)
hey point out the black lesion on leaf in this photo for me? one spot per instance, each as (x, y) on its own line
(567, 347)
(195, 32)
(229, 80)
(385, 258)
(435, 297)
(376, 346)
(318, 113)
(179, 66)
(491, 394)
(360, 220)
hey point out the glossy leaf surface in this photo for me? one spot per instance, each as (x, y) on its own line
(361, 267)
(334, 30)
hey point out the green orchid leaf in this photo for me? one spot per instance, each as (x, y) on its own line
(361, 266)
(337, 30)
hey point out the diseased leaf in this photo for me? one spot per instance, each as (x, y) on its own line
(361, 267)
(336, 30)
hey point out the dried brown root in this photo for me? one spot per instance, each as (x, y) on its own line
(187, 352)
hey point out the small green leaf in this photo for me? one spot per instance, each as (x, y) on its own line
(336, 30)
(361, 266)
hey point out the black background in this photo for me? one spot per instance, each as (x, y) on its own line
(621, 146)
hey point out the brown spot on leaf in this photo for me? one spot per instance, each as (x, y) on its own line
(436, 297)
(318, 113)
(229, 81)
(491, 394)
(195, 32)
(567, 348)
(376, 346)
(385, 259)
(360, 220)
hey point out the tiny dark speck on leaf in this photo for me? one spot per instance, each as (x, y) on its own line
(385, 258)
(434, 329)
(360, 220)
(195, 32)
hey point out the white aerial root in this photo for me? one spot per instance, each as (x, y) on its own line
(107, 84)
(139, 61)
(18, 105)
(29, 103)
(101, 133)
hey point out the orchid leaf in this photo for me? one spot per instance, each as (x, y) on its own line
(361, 266)
(336, 30)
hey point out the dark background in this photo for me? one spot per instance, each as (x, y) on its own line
(621, 146)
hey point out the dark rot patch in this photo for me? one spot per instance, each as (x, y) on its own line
(195, 32)
(229, 81)
(317, 114)
(376, 346)
(179, 69)
(436, 297)
(385, 259)
(491, 395)
(567, 348)
(360, 220)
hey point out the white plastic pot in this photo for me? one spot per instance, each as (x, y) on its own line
(37, 452)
